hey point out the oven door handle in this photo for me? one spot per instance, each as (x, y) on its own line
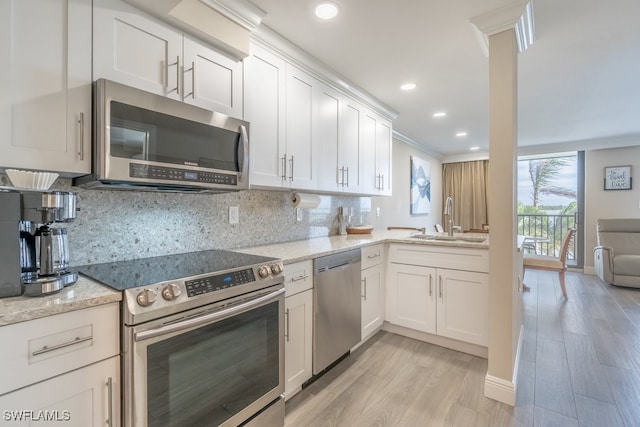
(207, 318)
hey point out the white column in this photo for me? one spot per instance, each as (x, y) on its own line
(507, 31)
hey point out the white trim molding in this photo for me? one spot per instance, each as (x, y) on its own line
(415, 144)
(517, 16)
(501, 390)
(242, 12)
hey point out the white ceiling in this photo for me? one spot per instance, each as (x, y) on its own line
(579, 83)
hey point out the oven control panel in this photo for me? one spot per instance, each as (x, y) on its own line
(218, 282)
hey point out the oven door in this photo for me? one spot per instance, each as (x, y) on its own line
(214, 365)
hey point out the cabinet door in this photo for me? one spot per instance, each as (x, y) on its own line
(135, 50)
(265, 105)
(372, 300)
(463, 305)
(211, 80)
(298, 341)
(330, 177)
(411, 297)
(89, 396)
(350, 145)
(383, 156)
(45, 107)
(300, 125)
(370, 179)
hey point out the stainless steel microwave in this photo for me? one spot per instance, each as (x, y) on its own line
(146, 141)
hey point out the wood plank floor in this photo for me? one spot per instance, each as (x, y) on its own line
(580, 366)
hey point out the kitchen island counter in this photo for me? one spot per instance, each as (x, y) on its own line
(301, 250)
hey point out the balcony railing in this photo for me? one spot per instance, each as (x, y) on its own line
(547, 232)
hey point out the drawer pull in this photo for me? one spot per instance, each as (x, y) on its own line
(373, 256)
(46, 349)
(109, 420)
(297, 279)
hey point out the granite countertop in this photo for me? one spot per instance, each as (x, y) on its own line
(88, 293)
(301, 250)
(82, 294)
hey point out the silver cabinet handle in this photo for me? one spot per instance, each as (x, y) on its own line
(382, 186)
(47, 349)
(365, 288)
(284, 167)
(286, 325)
(81, 123)
(373, 256)
(177, 64)
(440, 277)
(291, 176)
(341, 181)
(297, 279)
(430, 285)
(109, 420)
(346, 170)
(193, 80)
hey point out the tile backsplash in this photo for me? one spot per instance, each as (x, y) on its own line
(116, 225)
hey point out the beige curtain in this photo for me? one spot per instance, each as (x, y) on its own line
(468, 184)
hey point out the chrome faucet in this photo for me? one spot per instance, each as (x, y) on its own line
(448, 210)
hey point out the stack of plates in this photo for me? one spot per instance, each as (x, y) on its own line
(31, 180)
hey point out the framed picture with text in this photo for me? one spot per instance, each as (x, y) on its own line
(617, 178)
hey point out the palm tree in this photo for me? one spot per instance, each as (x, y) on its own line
(542, 172)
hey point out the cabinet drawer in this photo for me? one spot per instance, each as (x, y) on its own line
(466, 259)
(50, 346)
(372, 255)
(298, 277)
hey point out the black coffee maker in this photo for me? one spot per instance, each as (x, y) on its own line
(34, 250)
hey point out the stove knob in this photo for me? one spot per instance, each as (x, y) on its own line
(171, 292)
(263, 271)
(146, 297)
(276, 269)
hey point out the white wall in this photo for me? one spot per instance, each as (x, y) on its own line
(608, 204)
(395, 211)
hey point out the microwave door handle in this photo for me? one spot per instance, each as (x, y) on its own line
(245, 153)
(207, 318)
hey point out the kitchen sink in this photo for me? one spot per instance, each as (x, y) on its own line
(449, 238)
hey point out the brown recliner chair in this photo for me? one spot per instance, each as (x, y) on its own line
(617, 256)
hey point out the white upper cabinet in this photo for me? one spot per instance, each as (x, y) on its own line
(308, 135)
(330, 177)
(300, 129)
(139, 51)
(45, 107)
(383, 156)
(265, 81)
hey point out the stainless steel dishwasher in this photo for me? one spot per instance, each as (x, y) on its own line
(336, 307)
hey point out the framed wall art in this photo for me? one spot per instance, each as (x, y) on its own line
(617, 178)
(420, 186)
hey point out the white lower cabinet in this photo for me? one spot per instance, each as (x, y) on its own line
(63, 369)
(448, 302)
(298, 331)
(88, 396)
(372, 290)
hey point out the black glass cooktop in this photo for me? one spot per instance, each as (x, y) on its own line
(123, 275)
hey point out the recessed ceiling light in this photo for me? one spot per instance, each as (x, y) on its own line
(326, 10)
(439, 114)
(461, 134)
(474, 148)
(408, 86)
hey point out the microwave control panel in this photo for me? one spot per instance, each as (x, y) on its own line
(139, 170)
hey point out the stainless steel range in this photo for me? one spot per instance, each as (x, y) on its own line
(202, 338)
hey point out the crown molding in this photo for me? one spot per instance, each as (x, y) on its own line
(242, 12)
(418, 146)
(517, 16)
(290, 52)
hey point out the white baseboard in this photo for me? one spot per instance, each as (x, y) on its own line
(501, 390)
